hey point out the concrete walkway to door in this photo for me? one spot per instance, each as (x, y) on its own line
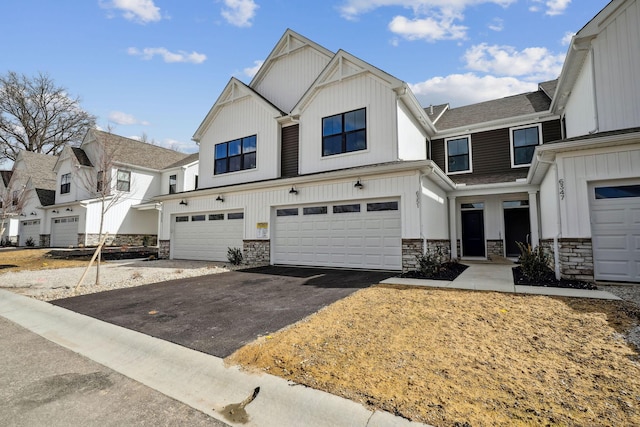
(497, 277)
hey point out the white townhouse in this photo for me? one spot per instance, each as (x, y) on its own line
(9, 232)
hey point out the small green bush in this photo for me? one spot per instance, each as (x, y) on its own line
(431, 262)
(234, 255)
(534, 262)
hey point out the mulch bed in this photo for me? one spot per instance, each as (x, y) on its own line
(449, 271)
(549, 280)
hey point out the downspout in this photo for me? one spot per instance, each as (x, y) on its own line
(556, 252)
(419, 203)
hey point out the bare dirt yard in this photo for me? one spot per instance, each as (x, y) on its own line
(460, 358)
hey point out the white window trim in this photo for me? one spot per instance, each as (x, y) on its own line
(446, 155)
(539, 126)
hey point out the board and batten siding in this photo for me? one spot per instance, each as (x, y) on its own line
(549, 205)
(257, 204)
(412, 142)
(580, 112)
(361, 91)
(577, 170)
(290, 75)
(256, 120)
(617, 61)
(290, 151)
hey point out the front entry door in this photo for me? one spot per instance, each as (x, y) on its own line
(473, 233)
(516, 229)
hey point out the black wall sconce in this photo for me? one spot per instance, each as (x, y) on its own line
(69, 210)
(55, 211)
(183, 202)
(293, 191)
(358, 185)
(33, 213)
(220, 199)
(22, 214)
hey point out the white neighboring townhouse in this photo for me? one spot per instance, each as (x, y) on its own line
(590, 180)
(9, 235)
(133, 168)
(180, 176)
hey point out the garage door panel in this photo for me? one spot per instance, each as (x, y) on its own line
(29, 230)
(64, 232)
(611, 242)
(207, 240)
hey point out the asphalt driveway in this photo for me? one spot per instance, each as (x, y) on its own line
(219, 313)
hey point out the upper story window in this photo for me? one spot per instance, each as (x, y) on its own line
(523, 144)
(100, 181)
(124, 181)
(65, 183)
(458, 151)
(344, 133)
(16, 196)
(173, 183)
(236, 155)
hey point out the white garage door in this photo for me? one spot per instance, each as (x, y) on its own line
(615, 227)
(206, 236)
(64, 232)
(347, 234)
(30, 230)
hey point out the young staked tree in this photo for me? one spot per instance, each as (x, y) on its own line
(37, 115)
(12, 200)
(103, 185)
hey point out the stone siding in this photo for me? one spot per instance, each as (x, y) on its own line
(164, 249)
(547, 247)
(442, 245)
(122, 240)
(256, 252)
(576, 258)
(495, 248)
(45, 240)
(410, 249)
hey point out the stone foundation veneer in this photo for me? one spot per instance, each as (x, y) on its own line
(576, 258)
(410, 249)
(164, 249)
(495, 248)
(256, 252)
(547, 247)
(45, 240)
(121, 240)
(440, 244)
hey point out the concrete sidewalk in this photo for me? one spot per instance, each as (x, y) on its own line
(197, 379)
(486, 276)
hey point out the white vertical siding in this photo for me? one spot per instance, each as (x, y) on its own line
(576, 171)
(290, 76)
(580, 112)
(617, 60)
(363, 91)
(244, 117)
(549, 205)
(189, 178)
(435, 211)
(412, 143)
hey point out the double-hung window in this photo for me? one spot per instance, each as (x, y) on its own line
(344, 133)
(173, 183)
(124, 181)
(236, 155)
(100, 182)
(523, 144)
(65, 183)
(458, 154)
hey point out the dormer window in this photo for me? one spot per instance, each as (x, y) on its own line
(524, 140)
(458, 152)
(173, 184)
(344, 133)
(65, 183)
(124, 181)
(236, 155)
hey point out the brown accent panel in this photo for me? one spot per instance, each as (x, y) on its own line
(437, 152)
(290, 146)
(551, 131)
(490, 152)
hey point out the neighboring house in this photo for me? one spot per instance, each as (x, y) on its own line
(111, 174)
(590, 180)
(180, 176)
(9, 224)
(32, 188)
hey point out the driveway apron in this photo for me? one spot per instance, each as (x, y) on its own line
(217, 314)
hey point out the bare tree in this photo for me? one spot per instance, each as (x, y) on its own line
(103, 184)
(12, 200)
(36, 115)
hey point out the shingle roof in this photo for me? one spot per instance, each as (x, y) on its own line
(493, 178)
(434, 111)
(189, 159)
(6, 177)
(137, 153)
(511, 106)
(39, 167)
(549, 87)
(81, 156)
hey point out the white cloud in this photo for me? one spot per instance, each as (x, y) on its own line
(251, 71)
(497, 24)
(239, 12)
(553, 7)
(120, 118)
(180, 56)
(141, 11)
(429, 29)
(350, 9)
(468, 88)
(536, 63)
(566, 40)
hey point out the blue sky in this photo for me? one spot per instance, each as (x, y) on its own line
(157, 66)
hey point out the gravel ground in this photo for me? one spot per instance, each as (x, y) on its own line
(47, 285)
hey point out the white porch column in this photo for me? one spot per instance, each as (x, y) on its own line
(533, 218)
(452, 227)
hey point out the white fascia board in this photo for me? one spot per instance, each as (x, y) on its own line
(539, 117)
(492, 189)
(409, 99)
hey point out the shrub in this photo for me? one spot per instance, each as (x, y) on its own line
(534, 262)
(234, 255)
(431, 262)
(30, 242)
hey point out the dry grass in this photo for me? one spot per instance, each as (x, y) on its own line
(33, 259)
(445, 357)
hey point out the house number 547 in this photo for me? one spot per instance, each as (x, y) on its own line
(561, 188)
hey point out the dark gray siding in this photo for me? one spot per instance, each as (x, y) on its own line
(551, 131)
(289, 161)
